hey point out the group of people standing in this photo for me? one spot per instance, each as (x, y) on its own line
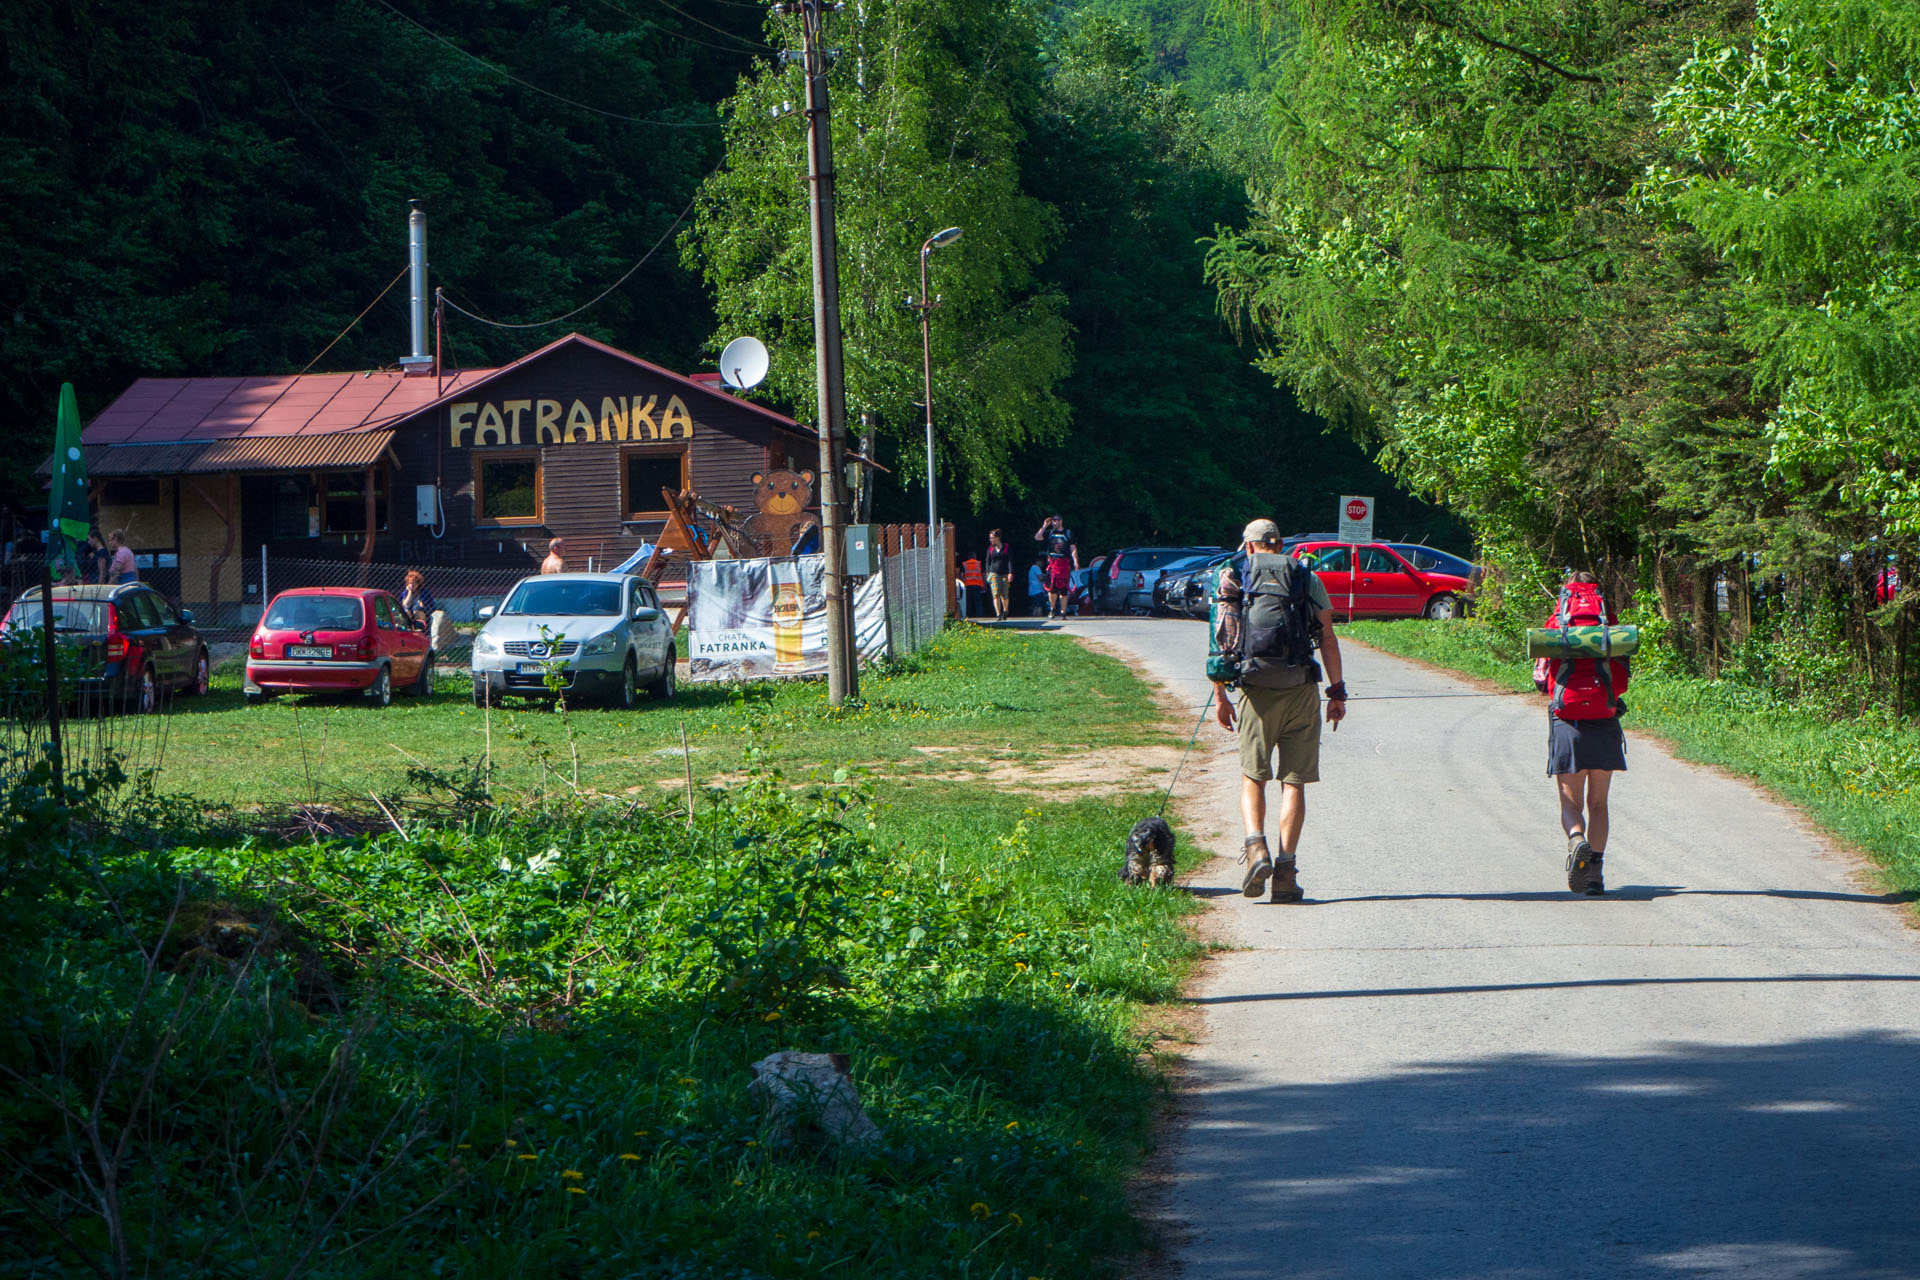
(107, 561)
(1059, 558)
(1273, 640)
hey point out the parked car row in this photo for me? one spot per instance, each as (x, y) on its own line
(1393, 579)
(600, 636)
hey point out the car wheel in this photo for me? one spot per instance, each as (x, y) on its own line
(627, 696)
(423, 683)
(202, 676)
(146, 692)
(661, 690)
(382, 690)
(1441, 607)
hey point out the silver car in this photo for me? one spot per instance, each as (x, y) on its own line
(605, 635)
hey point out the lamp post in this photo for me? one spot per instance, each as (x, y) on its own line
(938, 240)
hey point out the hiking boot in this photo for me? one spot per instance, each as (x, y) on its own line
(1596, 883)
(1286, 887)
(1259, 866)
(1583, 866)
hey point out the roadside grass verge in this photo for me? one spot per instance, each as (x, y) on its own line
(973, 688)
(1858, 778)
(517, 1042)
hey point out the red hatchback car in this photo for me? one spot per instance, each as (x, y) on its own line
(337, 640)
(1387, 586)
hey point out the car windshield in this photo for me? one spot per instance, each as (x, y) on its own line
(315, 613)
(68, 615)
(565, 599)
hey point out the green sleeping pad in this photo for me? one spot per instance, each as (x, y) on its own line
(1583, 642)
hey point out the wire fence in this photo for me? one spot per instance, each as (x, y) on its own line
(916, 581)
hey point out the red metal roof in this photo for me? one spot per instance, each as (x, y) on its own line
(178, 410)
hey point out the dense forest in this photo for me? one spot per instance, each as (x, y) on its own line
(223, 190)
(1627, 286)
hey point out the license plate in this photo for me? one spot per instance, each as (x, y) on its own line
(309, 651)
(533, 668)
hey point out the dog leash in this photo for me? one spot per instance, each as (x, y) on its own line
(1191, 739)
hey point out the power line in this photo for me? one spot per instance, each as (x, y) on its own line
(528, 84)
(541, 324)
(356, 320)
(747, 41)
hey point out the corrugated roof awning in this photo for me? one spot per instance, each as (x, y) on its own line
(343, 449)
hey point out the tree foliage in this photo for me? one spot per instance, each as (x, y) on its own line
(930, 107)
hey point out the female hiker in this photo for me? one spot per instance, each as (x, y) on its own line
(1585, 745)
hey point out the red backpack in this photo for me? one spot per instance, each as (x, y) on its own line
(1582, 688)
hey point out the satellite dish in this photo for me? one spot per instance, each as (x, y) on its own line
(744, 363)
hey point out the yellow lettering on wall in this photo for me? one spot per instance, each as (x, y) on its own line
(492, 429)
(546, 421)
(644, 415)
(676, 415)
(579, 424)
(613, 417)
(514, 409)
(460, 416)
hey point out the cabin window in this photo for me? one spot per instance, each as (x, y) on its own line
(507, 488)
(343, 501)
(643, 474)
(130, 493)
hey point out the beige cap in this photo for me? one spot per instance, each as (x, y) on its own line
(1265, 532)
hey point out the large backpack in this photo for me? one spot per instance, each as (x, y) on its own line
(1277, 624)
(1583, 688)
(1060, 544)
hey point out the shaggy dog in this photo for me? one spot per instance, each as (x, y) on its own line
(1149, 853)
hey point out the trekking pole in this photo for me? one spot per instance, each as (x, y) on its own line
(1191, 739)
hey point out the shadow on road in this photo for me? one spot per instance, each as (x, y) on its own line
(1774, 1160)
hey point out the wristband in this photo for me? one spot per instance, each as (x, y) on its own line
(1337, 691)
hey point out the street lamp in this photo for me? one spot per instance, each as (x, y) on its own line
(938, 240)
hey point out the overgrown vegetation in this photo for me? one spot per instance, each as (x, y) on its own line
(515, 1038)
(1629, 287)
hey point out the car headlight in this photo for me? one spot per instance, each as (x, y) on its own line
(484, 643)
(605, 642)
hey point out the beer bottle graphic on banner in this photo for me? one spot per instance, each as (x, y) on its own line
(789, 613)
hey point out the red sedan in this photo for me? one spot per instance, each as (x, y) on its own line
(337, 640)
(1387, 585)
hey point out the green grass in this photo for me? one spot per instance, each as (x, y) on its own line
(1858, 778)
(974, 689)
(516, 1043)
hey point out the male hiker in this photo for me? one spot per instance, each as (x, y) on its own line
(1061, 557)
(1272, 612)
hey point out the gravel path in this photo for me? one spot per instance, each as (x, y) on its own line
(1445, 1065)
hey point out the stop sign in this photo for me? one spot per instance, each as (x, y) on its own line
(1356, 509)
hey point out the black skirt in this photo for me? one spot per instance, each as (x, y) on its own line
(1576, 745)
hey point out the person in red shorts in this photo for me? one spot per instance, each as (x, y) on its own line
(1060, 556)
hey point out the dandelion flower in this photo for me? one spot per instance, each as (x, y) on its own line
(738, 1183)
(466, 1146)
(628, 1155)
(772, 1017)
(526, 1157)
(572, 1175)
(512, 1143)
(575, 1191)
(641, 1133)
(1016, 1219)
(813, 1235)
(1012, 1125)
(979, 1210)
(688, 1080)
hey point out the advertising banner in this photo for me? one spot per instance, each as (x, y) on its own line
(760, 619)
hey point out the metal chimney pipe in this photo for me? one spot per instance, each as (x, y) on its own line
(419, 359)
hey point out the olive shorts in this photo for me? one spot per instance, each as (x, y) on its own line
(1280, 733)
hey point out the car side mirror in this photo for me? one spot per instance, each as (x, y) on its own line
(646, 613)
(485, 612)
(186, 616)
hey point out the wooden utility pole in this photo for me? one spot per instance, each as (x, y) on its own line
(842, 659)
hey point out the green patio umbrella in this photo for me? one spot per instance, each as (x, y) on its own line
(68, 518)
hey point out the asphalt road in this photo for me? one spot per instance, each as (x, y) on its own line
(1445, 1065)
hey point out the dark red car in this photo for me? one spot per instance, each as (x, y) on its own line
(1387, 585)
(337, 640)
(136, 646)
